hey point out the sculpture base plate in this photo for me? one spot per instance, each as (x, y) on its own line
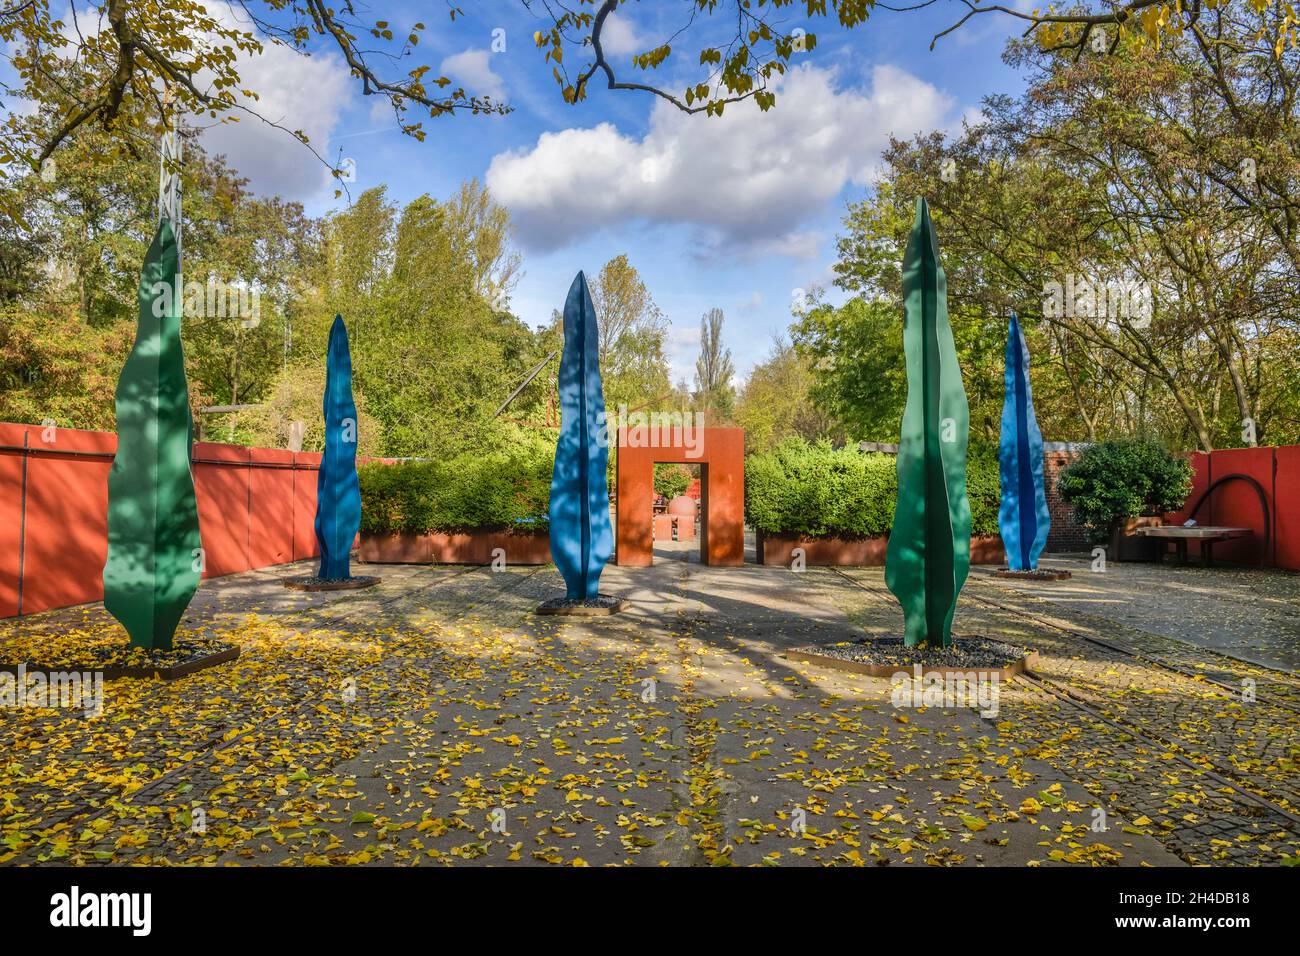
(594, 607)
(313, 583)
(1038, 574)
(885, 657)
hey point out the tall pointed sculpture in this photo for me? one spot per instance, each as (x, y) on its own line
(582, 539)
(1023, 517)
(154, 548)
(338, 492)
(928, 556)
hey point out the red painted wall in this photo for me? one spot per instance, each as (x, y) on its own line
(1236, 503)
(257, 507)
(1286, 521)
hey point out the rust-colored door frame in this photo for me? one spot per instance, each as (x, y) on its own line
(720, 453)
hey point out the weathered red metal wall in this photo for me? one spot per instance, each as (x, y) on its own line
(1236, 503)
(1286, 523)
(256, 508)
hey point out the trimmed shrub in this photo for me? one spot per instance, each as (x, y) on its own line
(501, 491)
(816, 491)
(1127, 478)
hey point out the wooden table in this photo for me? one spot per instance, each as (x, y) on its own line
(1207, 535)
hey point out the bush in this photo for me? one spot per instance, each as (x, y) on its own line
(1114, 480)
(295, 395)
(816, 491)
(508, 490)
(671, 480)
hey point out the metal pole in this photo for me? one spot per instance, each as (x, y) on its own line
(532, 374)
(22, 526)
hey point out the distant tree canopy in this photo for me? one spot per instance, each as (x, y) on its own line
(424, 289)
(1156, 149)
(715, 394)
(777, 401)
(1140, 209)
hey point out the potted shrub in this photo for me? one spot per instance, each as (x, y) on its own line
(1118, 486)
(671, 480)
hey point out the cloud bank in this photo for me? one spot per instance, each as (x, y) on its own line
(746, 179)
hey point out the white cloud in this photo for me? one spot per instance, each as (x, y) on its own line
(295, 91)
(619, 38)
(682, 348)
(298, 93)
(747, 179)
(473, 70)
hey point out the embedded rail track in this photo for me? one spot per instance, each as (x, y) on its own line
(1224, 776)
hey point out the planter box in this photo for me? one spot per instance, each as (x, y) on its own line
(776, 550)
(473, 547)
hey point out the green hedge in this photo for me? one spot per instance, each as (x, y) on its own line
(797, 488)
(816, 491)
(472, 492)
(1124, 478)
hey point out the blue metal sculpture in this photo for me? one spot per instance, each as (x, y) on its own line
(338, 493)
(1023, 517)
(582, 539)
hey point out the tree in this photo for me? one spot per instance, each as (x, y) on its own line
(180, 44)
(294, 399)
(714, 369)
(138, 50)
(1128, 171)
(776, 401)
(88, 224)
(633, 335)
(54, 368)
(431, 354)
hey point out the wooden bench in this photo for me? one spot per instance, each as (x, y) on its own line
(1206, 535)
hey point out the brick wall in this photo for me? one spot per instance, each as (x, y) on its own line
(1064, 535)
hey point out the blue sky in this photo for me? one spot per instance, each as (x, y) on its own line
(736, 212)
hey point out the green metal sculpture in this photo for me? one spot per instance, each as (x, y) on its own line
(154, 549)
(929, 546)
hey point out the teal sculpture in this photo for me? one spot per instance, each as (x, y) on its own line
(928, 556)
(582, 538)
(155, 553)
(338, 491)
(1023, 517)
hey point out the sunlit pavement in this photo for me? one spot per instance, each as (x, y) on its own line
(436, 720)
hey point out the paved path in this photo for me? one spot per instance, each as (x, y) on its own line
(435, 720)
(1246, 613)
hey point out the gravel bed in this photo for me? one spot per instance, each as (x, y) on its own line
(109, 656)
(313, 583)
(970, 652)
(600, 602)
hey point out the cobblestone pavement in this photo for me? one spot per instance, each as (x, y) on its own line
(1184, 754)
(435, 720)
(1245, 613)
